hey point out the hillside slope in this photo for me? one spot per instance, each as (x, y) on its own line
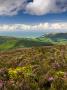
(45, 40)
(11, 43)
(55, 38)
(41, 68)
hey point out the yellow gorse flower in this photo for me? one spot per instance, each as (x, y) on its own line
(26, 71)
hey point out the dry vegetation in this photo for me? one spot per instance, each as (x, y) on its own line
(36, 68)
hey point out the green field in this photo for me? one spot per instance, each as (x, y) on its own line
(7, 43)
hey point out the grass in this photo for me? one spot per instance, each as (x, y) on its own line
(7, 43)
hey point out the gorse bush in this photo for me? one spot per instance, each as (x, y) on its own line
(60, 74)
(19, 72)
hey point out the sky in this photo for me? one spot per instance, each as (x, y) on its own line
(33, 15)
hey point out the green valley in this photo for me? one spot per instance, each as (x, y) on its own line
(7, 43)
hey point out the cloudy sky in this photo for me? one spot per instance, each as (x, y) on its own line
(33, 15)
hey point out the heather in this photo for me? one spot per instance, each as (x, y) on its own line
(35, 68)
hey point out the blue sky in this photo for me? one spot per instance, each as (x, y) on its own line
(32, 11)
(32, 19)
(27, 15)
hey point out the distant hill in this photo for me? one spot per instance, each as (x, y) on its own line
(7, 43)
(57, 36)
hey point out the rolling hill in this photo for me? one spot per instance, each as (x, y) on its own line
(45, 40)
(55, 38)
(11, 43)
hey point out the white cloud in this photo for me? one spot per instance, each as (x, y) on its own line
(36, 7)
(41, 7)
(11, 7)
(41, 26)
